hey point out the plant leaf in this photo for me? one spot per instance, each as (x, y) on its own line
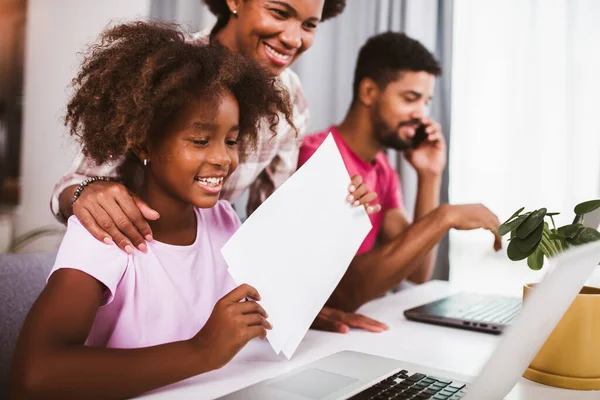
(569, 231)
(552, 214)
(513, 251)
(531, 223)
(514, 215)
(511, 226)
(529, 244)
(556, 236)
(535, 261)
(587, 206)
(585, 235)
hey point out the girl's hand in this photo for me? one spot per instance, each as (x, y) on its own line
(360, 195)
(232, 324)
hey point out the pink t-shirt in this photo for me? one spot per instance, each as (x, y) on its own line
(162, 296)
(379, 177)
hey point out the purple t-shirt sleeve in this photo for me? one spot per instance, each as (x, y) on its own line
(81, 251)
(225, 222)
(226, 217)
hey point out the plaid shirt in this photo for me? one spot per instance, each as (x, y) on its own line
(274, 161)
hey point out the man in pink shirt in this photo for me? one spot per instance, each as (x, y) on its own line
(393, 85)
(378, 175)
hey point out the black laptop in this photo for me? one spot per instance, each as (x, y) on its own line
(469, 311)
(484, 313)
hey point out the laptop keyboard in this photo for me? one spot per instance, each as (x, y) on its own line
(500, 311)
(402, 386)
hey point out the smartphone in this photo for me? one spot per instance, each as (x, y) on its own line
(420, 137)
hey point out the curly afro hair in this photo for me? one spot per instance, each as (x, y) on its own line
(386, 54)
(140, 75)
(331, 9)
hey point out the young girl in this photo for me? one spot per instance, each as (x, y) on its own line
(110, 324)
(274, 34)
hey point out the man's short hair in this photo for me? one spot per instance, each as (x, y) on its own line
(385, 55)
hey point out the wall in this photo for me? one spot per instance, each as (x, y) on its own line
(56, 31)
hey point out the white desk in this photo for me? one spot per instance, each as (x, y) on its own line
(450, 349)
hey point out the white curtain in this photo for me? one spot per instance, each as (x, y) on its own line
(525, 106)
(193, 15)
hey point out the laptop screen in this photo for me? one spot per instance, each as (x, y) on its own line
(541, 312)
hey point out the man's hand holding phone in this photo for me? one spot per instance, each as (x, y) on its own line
(428, 152)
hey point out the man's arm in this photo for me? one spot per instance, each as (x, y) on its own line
(379, 270)
(395, 223)
(428, 199)
(429, 161)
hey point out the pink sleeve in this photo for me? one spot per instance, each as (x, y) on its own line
(393, 196)
(226, 216)
(80, 250)
(306, 152)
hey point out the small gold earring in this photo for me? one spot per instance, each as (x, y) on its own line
(145, 162)
(235, 13)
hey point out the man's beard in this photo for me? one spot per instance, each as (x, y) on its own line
(390, 138)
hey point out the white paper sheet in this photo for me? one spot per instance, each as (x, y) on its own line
(296, 246)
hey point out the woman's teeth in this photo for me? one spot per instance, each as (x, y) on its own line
(277, 55)
(210, 181)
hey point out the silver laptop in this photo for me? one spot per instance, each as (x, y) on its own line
(485, 313)
(355, 375)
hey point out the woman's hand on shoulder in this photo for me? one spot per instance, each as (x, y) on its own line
(112, 214)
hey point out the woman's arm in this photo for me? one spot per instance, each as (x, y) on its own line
(81, 169)
(51, 360)
(106, 209)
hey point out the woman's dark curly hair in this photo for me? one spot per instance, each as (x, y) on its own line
(139, 75)
(331, 8)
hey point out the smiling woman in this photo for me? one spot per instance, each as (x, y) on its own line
(273, 32)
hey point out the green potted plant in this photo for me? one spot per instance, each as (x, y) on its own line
(569, 358)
